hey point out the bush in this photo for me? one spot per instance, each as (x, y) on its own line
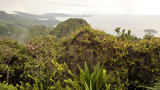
(13, 56)
(134, 61)
(96, 81)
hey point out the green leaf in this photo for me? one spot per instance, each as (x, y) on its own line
(87, 76)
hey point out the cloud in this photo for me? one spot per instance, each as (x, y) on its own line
(83, 6)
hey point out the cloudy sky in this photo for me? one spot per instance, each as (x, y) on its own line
(83, 6)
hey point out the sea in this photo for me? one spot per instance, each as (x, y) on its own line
(136, 23)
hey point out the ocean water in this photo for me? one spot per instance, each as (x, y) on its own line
(136, 23)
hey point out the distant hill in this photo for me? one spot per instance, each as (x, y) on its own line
(47, 15)
(23, 28)
(37, 31)
(24, 22)
(28, 15)
(52, 15)
(12, 31)
(68, 26)
(150, 31)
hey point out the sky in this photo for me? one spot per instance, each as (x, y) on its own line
(140, 7)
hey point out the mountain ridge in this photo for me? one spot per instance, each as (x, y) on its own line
(47, 15)
(25, 22)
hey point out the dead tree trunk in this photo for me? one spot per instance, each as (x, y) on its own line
(7, 78)
(7, 81)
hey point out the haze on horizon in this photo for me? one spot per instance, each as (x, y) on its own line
(133, 7)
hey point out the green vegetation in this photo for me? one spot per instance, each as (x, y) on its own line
(12, 60)
(71, 25)
(23, 29)
(37, 31)
(148, 36)
(123, 36)
(10, 31)
(96, 81)
(80, 59)
(155, 86)
(19, 34)
(24, 22)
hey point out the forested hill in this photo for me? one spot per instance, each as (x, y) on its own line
(71, 25)
(24, 32)
(24, 22)
(22, 28)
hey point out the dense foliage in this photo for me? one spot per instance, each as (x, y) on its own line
(71, 25)
(37, 31)
(13, 57)
(87, 59)
(10, 31)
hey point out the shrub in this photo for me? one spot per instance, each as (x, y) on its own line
(95, 81)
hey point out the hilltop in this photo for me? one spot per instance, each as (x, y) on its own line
(71, 25)
(47, 62)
